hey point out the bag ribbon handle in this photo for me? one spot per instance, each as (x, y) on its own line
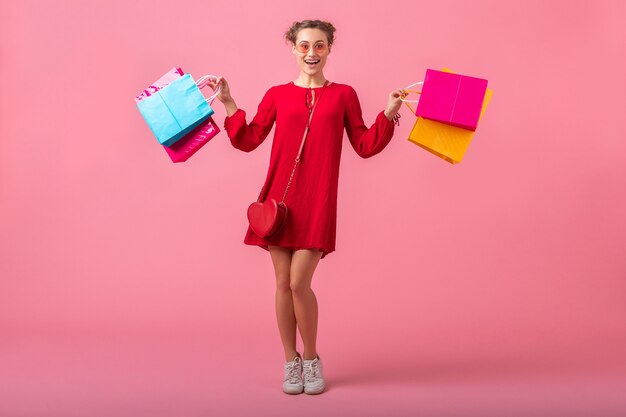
(408, 90)
(204, 81)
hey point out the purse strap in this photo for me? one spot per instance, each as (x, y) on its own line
(306, 132)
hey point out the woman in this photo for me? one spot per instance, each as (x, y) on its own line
(308, 234)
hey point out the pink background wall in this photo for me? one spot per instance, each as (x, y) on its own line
(516, 252)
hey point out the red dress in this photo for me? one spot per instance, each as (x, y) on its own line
(312, 198)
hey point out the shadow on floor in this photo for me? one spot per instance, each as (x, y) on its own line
(417, 370)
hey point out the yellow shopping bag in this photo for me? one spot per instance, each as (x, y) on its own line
(445, 141)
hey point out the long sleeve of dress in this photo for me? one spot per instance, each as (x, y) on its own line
(248, 137)
(366, 142)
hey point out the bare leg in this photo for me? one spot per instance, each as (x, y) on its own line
(303, 264)
(281, 258)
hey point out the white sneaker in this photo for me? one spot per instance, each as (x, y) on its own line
(292, 383)
(313, 376)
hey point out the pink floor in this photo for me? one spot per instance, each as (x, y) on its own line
(175, 372)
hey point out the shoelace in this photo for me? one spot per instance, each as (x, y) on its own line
(311, 372)
(293, 371)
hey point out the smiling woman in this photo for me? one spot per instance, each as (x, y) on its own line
(311, 40)
(320, 110)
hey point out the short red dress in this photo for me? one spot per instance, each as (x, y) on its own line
(312, 198)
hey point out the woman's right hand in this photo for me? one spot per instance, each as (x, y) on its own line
(224, 95)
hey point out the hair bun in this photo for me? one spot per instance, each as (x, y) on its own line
(327, 27)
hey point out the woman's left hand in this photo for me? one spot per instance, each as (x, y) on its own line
(394, 103)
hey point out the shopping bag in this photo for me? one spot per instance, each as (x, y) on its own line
(175, 110)
(450, 98)
(443, 140)
(167, 78)
(185, 147)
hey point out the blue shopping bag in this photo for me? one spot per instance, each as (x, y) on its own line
(175, 110)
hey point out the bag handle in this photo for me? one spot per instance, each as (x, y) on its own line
(408, 90)
(204, 81)
(306, 132)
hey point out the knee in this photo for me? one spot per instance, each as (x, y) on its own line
(298, 286)
(282, 282)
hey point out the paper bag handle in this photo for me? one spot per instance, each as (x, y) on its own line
(407, 90)
(203, 81)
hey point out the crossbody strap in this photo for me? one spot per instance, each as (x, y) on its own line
(306, 132)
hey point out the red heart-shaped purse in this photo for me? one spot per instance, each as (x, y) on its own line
(266, 218)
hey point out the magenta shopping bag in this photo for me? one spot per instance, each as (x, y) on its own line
(453, 99)
(188, 145)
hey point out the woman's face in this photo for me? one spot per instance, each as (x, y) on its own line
(311, 50)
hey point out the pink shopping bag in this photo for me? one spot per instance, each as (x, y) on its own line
(185, 147)
(453, 99)
(167, 78)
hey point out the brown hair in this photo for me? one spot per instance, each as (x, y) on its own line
(326, 27)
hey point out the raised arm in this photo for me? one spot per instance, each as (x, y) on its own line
(243, 136)
(367, 142)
